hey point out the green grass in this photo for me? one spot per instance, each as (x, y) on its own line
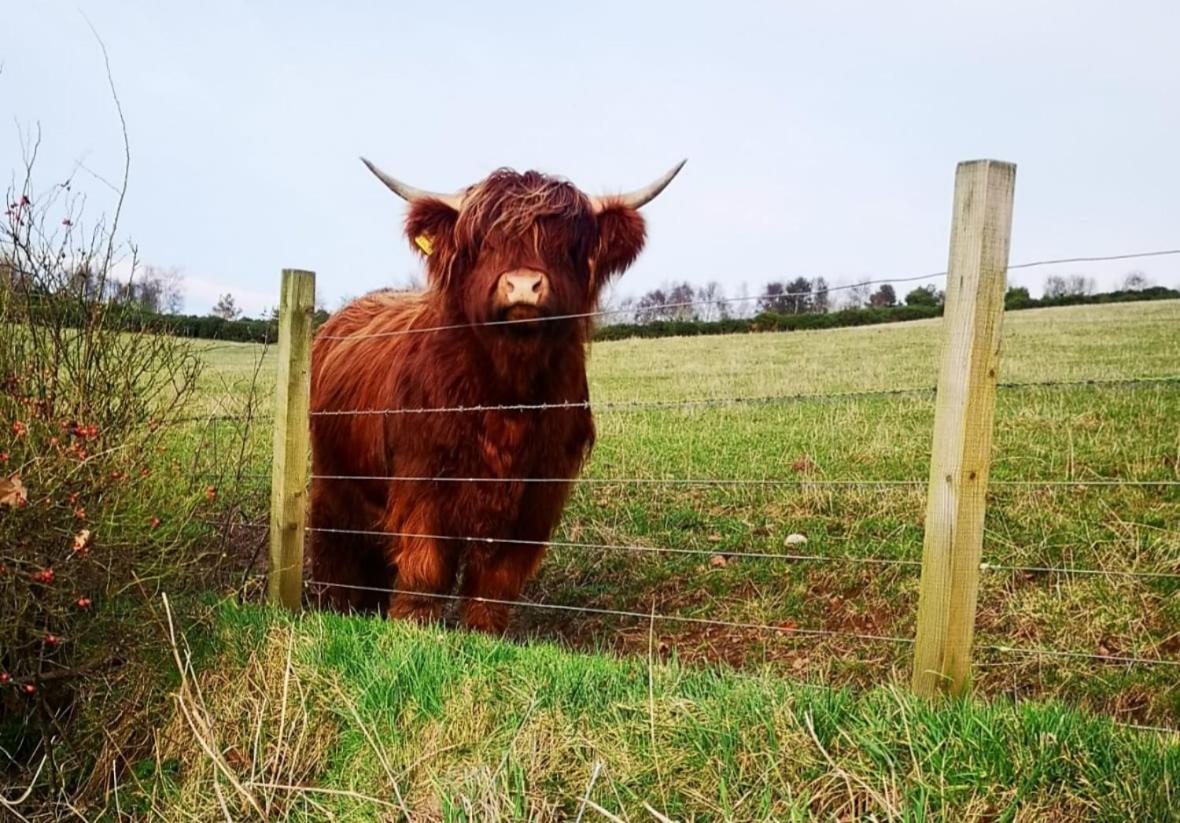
(329, 717)
(963, 760)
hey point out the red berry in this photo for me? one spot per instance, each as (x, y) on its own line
(154, 522)
(29, 689)
(52, 640)
(5, 678)
(83, 602)
(211, 492)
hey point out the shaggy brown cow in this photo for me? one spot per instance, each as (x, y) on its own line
(514, 264)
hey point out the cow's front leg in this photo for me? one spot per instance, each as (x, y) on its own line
(496, 573)
(425, 570)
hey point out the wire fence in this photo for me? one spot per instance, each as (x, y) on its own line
(390, 536)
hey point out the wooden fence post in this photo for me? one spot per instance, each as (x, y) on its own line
(963, 415)
(289, 471)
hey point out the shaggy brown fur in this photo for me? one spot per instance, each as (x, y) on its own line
(399, 350)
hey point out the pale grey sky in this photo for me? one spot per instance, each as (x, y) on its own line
(821, 138)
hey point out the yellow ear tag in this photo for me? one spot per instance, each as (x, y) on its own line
(424, 242)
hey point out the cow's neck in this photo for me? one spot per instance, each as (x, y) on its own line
(530, 369)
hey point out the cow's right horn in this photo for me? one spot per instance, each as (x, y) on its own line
(410, 194)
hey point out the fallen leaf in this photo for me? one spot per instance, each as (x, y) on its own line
(795, 540)
(82, 541)
(718, 561)
(803, 465)
(12, 491)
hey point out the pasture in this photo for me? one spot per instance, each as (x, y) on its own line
(832, 432)
(749, 716)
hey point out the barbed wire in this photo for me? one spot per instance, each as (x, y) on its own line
(675, 618)
(738, 555)
(782, 629)
(717, 482)
(756, 400)
(1061, 653)
(988, 566)
(727, 481)
(726, 300)
(565, 544)
(1142, 727)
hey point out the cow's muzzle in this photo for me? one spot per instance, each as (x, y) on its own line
(522, 288)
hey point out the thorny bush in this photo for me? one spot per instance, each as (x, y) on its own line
(97, 511)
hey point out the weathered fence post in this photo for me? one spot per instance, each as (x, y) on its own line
(963, 415)
(289, 472)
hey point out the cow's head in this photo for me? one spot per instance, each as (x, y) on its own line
(523, 247)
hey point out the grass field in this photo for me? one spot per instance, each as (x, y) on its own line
(695, 741)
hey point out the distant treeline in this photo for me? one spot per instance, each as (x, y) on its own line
(248, 330)
(1016, 299)
(134, 318)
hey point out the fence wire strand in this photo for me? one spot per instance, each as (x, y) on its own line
(713, 402)
(753, 555)
(630, 547)
(595, 610)
(692, 402)
(724, 481)
(727, 300)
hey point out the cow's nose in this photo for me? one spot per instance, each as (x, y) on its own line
(524, 286)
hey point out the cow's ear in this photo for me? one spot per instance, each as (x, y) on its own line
(621, 232)
(430, 228)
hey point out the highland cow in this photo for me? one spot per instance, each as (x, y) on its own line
(437, 482)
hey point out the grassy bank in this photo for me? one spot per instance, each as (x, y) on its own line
(329, 717)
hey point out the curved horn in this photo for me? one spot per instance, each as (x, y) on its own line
(639, 197)
(409, 193)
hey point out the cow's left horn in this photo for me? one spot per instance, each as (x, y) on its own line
(411, 194)
(639, 197)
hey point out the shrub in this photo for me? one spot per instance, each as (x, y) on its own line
(96, 513)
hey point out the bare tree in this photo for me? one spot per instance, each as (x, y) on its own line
(857, 296)
(820, 300)
(669, 302)
(1080, 284)
(157, 289)
(1074, 285)
(710, 296)
(226, 308)
(1136, 281)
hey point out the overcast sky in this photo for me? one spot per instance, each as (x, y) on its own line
(821, 138)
